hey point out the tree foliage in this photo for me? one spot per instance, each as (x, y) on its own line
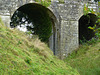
(19, 18)
(38, 25)
(96, 27)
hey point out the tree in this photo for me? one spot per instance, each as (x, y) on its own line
(19, 18)
(39, 25)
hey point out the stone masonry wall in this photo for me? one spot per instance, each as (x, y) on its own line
(67, 13)
(69, 26)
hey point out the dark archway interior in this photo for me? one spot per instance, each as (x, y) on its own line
(84, 22)
(41, 18)
(43, 21)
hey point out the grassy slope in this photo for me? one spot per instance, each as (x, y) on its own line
(86, 60)
(20, 55)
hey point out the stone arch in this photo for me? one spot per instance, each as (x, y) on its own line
(34, 8)
(84, 22)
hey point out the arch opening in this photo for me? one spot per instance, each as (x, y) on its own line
(39, 20)
(85, 21)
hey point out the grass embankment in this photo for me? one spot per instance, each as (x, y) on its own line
(20, 55)
(86, 59)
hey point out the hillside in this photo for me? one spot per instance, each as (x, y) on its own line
(20, 55)
(86, 59)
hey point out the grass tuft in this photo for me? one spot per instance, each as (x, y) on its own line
(86, 59)
(20, 55)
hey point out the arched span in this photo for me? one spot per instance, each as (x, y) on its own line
(84, 22)
(37, 13)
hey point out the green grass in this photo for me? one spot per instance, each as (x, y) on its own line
(46, 3)
(20, 55)
(86, 59)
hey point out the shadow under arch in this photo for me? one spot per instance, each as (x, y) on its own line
(36, 12)
(84, 22)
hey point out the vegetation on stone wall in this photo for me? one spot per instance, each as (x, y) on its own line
(61, 1)
(87, 20)
(85, 33)
(86, 59)
(44, 2)
(96, 27)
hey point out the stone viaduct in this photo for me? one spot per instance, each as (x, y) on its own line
(65, 15)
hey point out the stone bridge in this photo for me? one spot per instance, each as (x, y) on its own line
(66, 16)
